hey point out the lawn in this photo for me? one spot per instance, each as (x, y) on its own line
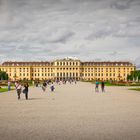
(4, 90)
(137, 89)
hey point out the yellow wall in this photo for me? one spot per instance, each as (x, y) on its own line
(68, 69)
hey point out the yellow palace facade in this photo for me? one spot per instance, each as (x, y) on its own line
(68, 68)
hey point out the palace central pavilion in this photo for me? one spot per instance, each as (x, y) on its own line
(68, 68)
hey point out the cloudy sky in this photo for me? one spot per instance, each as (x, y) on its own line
(86, 29)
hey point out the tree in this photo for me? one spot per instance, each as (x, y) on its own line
(135, 75)
(3, 75)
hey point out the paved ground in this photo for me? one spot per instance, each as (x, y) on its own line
(73, 112)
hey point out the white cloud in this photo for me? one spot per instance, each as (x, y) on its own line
(91, 29)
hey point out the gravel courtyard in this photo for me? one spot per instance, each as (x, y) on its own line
(72, 112)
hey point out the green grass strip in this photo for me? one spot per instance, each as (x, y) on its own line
(136, 89)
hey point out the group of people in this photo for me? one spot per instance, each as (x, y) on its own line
(19, 90)
(44, 86)
(25, 87)
(46, 83)
(71, 81)
(97, 83)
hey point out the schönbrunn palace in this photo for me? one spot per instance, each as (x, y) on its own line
(68, 68)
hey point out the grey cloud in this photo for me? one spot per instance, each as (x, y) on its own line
(55, 28)
(125, 4)
(113, 53)
(99, 34)
(59, 37)
(137, 61)
(121, 5)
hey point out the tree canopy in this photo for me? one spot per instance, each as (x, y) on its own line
(3, 75)
(134, 76)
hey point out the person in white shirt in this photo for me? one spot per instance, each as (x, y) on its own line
(18, 89)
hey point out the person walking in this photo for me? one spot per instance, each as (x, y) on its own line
(44, 86)
(96, 86)
(9, 85)
(103, 86)
(36, 83)
(26, 90)
(52, 87)
(18, 89)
